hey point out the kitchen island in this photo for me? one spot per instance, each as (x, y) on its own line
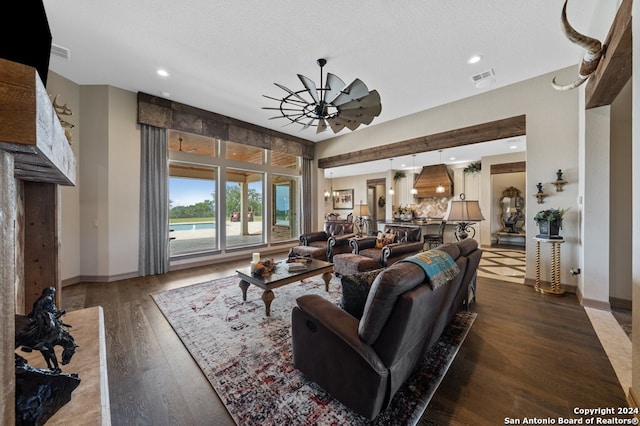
(428, 226)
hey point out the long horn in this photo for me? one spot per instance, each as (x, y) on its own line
(591, 44)
(591, 58)
(569, 86)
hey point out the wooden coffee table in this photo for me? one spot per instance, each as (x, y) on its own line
(281, 277)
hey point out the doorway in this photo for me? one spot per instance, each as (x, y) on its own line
(376, 201)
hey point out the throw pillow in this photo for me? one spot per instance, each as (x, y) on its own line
(384, 239)
(355, 289)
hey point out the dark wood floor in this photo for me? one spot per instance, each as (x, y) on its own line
(527, 355)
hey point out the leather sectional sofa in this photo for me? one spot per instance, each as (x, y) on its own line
(362, 362)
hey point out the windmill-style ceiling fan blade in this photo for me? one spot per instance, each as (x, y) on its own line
(306, 126)
(358, 116)
(334, 87)
(352, 124)
(356, 90)
(310, 86)
(291, 92)
(335, 124)
(371, 101)
(322, 126)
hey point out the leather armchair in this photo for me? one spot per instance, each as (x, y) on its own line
(408, 242)
(324, 244)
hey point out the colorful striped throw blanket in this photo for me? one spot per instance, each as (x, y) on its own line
(437, 265)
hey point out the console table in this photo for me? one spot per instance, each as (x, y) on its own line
(503, 234)
(555, 288)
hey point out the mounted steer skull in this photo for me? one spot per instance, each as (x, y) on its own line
(591, 59)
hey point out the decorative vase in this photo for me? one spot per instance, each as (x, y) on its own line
(549, 230)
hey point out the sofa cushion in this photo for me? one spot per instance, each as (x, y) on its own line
(355, 289)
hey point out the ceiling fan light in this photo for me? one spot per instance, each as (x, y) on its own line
(330, 102)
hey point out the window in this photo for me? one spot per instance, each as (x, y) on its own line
(282, 159)
(219, 198)
(244, 208)
(285, 212)
(248, 154)
(192, 209)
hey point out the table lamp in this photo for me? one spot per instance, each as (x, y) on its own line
(464, 213)
(362, 210)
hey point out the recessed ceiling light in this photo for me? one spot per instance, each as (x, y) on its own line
(474, 59)
(166, 94)
(452, 158)
(163, 73)
(514, 147)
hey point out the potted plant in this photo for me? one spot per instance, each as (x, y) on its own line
(473, 168)
(550, 222)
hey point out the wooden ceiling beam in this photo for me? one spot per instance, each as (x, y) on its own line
(614, 70)
(485, 132)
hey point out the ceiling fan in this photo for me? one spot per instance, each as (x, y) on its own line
(332, 104)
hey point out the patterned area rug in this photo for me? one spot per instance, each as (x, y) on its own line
(246, 356)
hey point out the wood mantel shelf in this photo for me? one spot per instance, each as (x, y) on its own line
(30, 129)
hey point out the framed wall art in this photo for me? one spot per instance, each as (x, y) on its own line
(343, 200)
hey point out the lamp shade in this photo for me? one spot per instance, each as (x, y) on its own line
(362, 210)
(463, 211)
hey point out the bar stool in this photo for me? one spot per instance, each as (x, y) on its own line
(436, 239)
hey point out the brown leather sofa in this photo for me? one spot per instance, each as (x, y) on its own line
(408, 241)
(324, 244)
(362, 363)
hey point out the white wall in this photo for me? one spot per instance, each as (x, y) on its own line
(552, 144)
(124, 183)
(94, 173)
(620, 196)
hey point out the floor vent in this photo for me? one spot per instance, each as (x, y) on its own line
(60, 52)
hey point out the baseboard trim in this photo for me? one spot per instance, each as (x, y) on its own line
(568, 288)
(98, 278)
(620, 303)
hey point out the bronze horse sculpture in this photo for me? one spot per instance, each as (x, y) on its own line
(43, 330)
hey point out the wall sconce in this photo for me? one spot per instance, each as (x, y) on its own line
(540, 195)
(559, 183)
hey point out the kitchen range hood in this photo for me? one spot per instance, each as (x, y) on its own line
(430, 178)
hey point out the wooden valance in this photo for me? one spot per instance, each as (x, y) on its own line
(160, 112)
